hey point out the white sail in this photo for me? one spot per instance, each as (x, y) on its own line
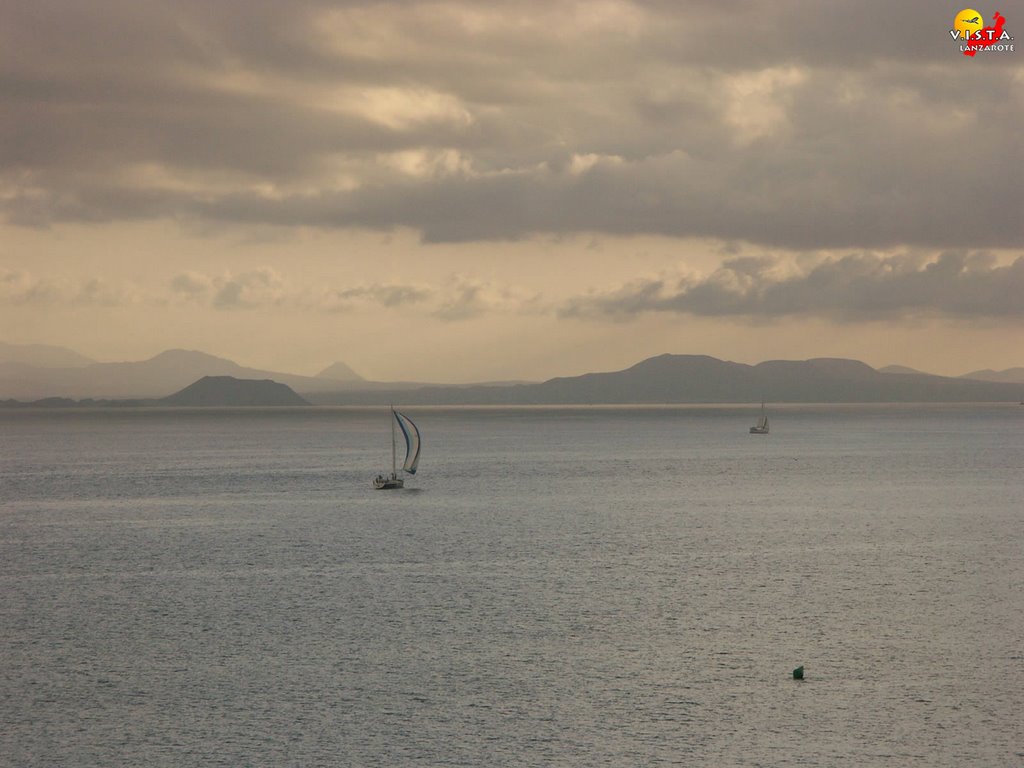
(761, 428)
(412, 442)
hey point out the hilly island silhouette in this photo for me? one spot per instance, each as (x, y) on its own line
(195, 379)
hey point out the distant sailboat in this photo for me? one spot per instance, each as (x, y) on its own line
(412, 452)
(761, 428)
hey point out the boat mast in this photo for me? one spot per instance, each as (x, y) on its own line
(394, 470)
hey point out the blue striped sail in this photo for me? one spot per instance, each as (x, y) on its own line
(412, 442)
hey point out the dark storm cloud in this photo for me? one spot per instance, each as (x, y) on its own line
(796, 124)
(856, 287)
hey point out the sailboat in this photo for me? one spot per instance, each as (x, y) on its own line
(412, 452)
(761, 428)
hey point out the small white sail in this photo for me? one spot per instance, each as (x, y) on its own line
(761, 428)
(412, 442)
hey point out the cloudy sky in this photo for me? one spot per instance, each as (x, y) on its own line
(463, 191)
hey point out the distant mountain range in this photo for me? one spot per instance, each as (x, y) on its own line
(37, 372)
(42, 356)
(702, 379)
(157, 377)
(1011, 375)
(899, 369)
(339, 372)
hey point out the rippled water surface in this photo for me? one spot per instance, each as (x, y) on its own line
(556, 587)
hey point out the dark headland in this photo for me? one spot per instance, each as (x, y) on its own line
(228, 391)
(208, 392)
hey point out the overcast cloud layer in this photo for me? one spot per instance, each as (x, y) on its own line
(795, 124)
(512, 189)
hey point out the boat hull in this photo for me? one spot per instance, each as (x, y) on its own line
(759, 431)
(388, 483)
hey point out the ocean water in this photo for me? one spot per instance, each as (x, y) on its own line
(556, 587)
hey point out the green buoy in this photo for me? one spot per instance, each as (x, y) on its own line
(798, 673)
